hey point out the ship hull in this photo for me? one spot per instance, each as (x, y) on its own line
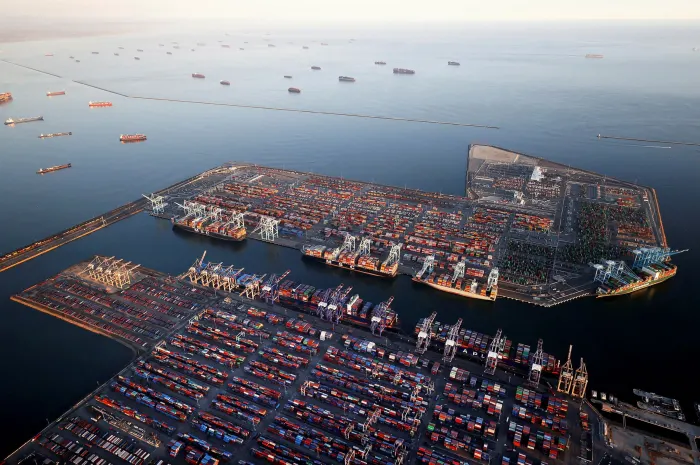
(641, 286)
(209, 234)
(349, 268)
(460, 292)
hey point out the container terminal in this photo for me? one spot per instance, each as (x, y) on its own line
(526, 228)
(240, 376)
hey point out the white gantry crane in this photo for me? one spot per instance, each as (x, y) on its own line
(533, 376)
(566, 375)
(364, 248)
(268, 228)
(348, 245)
(425, 334)
(394, 255)
(496, 346)
(158, 203)
(451, 342)
(427, 268)
(109, 271)
(645, 256)
(492, 279)
(459, 271)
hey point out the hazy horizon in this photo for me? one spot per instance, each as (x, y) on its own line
(359, 10)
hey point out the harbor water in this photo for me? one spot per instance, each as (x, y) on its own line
(532, 82)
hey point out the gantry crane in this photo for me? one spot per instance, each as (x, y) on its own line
(578, 389)
(566, 375)
(428, 265)
(535, 372)
(496, 346)
(270, 289)
(425, 334)
(451, 342)
(379, 316)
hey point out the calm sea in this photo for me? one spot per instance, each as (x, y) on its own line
(532, 82)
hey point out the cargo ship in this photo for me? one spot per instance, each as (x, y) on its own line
(23, 120)
(116, 54)
(139, 50)
(120, 48)
(593, 55)
(366, 264)
(316, 68)
(100, 104)
(137, 58)
(225, 46)
(294, 90)
(224, 83)
(659, 404)
(57, 92)
(287, 77)
(53, 168)
(403, 71)
(477, 344)
(354, 310)
(132, 137)
(207, 227)
(346, 79)
(270, 45)
(95, 53)
(380, 62)
(462, 286)
(305, 47)
(55, 134)
(169, 53)
(453, 63)
(5, 97)
(198, 75)
(636, 280)
(48, 54)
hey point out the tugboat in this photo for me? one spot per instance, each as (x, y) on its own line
(294, 90)
(132, 137)
(198, 75)
(224, 83)
(346, 79)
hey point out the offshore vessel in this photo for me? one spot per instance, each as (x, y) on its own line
(205, 226)
(380, 62)
(53, 168)
(316, 68)
(346, 79)
(5, 97)
(99, 104)
(23, 120)
(659, 404)
(224, 83)
(132, 137)
(55, 134)
(453, 63)
(629, 281)
(366, 264)
(466, 288)
(294, 90)
(198, 75)
(403, 71)
(477, 344)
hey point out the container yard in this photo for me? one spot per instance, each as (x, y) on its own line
(239, 377)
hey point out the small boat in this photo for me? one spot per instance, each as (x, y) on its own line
(95, 53)
(198, 75)
(121, 48)
(316, 68)
(161, 45)
(294, 90)
(270, 45)
(48, 54)
(225, 46)
(137, 58)
(169, 53)
(346, 79)
(224, 83)
(139, 50)
(71, 58)
(305, 47)
(116, 54)
(323, 43)
(241, 48)
(77, 61)
(287, 77)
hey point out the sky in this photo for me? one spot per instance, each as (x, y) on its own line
(359, 10)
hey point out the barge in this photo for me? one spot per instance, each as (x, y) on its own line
(53, 168)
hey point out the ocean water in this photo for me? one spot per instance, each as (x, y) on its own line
(530, 81)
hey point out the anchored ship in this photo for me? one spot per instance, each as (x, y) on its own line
(316, 68)
(57, 92)
(294, 90)
(346, 79)
(380, 62)
(100, 104)
(53, 168)
(198, 75)
(224, 83)
(55, 134)
(5, 97)
(132, 137)
(23, 120)
(356, 261)
(453, 63)
(403, 71)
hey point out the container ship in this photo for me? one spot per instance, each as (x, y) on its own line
(55, 134)
(23, 120)
(380, 62)
(351, 260)
(224, 83)
(198, 75)
(346, 79)
(56, 92)
(403, 71)
(354, 310)
(294, 90)
(5, 97)
(132, 137)
(461, 286)
(593, 55)
(632, 281)
(659, 404)
(316, 68)
(100, 104)
(477, 344)
(207, 227)
(53, 168)
(453, 63)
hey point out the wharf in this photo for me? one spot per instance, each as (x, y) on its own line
(184, 304)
